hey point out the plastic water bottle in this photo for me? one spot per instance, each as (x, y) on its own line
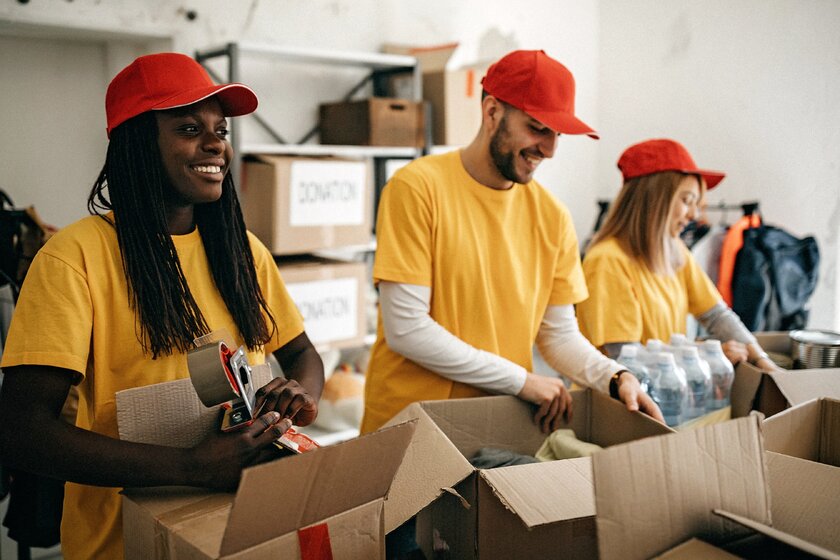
(699, 380)
(722, 374)
(653, 347)
(670, 389)
(629, 358)
(678, 340)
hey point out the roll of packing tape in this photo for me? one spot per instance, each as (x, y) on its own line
(210, 378)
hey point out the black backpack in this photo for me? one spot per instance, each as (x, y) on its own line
(774, 277)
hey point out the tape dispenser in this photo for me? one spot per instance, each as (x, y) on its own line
(222, 376)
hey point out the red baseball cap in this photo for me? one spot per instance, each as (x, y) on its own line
(653, 156)
(167, 80)
(535, 83)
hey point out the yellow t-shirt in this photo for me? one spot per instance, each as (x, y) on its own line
(74, 313)
(628, 302)
(494, 261)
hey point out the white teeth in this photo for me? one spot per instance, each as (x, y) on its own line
(207, 168)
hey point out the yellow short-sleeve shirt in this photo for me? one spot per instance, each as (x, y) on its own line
(494, 260)
(74, 313)
(628, 302)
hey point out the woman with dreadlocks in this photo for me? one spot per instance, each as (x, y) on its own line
(117, 299)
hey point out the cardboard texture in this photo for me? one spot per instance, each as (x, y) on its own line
(659, 492)
(171, 413)
(331, 295)
(795, 544)
(297, 205)
(336, 485)
(773, 392)
(454, 94)
(519, 511)
(803, 464)
(695, 549)
(375, 121)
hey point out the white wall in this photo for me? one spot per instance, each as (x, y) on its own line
(751, 88)
(748, 86)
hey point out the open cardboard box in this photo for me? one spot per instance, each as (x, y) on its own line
(711, 484)
(518, 511)
(803, 463)
(330, 499)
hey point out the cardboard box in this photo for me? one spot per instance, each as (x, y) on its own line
(773, 392)
(521, 511)
(300, 205)
(653, 496)
(376, 121)
(330, 498)
(454, 95)
(803, 463)
(331, 295)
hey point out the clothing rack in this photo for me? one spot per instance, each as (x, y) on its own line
(748, 208)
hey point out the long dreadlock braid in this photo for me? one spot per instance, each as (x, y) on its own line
(169, 318)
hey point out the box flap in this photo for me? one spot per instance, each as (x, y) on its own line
(805, 498)
(610, 423)
(810, 431)
(695, 549)
(544, 493)
(803, 385)
(431, 464)
(431, 58)
(170, 413)
(658, 492)
(276, 498)
(744, 389)
(780, 536)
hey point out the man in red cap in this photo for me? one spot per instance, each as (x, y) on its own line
(476, 262)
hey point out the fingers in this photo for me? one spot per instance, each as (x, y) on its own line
(268, 428)
(286, 397)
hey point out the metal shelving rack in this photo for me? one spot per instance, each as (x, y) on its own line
(380, 67)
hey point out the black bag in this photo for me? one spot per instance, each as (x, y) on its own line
(22, 233)
(774, 277)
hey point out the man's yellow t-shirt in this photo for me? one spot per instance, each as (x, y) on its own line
(74, 313)
(630, 303)
(494, 260)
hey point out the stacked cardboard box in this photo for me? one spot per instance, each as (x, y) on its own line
(375, 121)
(453, 94)
(297, 206)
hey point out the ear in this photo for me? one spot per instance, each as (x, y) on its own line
(492, 111)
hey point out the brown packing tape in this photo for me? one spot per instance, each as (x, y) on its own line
(208, 376)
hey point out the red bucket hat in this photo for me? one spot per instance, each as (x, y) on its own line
(653, 156)
(167, 80)
(535, 83)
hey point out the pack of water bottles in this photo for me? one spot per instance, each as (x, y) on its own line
(686, 379)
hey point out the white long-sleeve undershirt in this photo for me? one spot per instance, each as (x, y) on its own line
(412, 332)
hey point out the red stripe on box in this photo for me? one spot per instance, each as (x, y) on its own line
(315, 543)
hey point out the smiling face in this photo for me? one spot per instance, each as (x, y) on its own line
(519, 144)
(683, 205)
(195, 152)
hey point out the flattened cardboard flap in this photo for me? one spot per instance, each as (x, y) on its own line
(276, 498)
(780, 536)
(544, 493)
(431, 58)
(658, 492)
(695, 549)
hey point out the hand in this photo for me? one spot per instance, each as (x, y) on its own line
(289, 399)
(736, 352)
(635, 399)
(552, 398)
(218, 460)
(766, 364)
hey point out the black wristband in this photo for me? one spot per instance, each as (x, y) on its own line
(614, 384)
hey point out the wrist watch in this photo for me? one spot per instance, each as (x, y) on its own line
(614, 383)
